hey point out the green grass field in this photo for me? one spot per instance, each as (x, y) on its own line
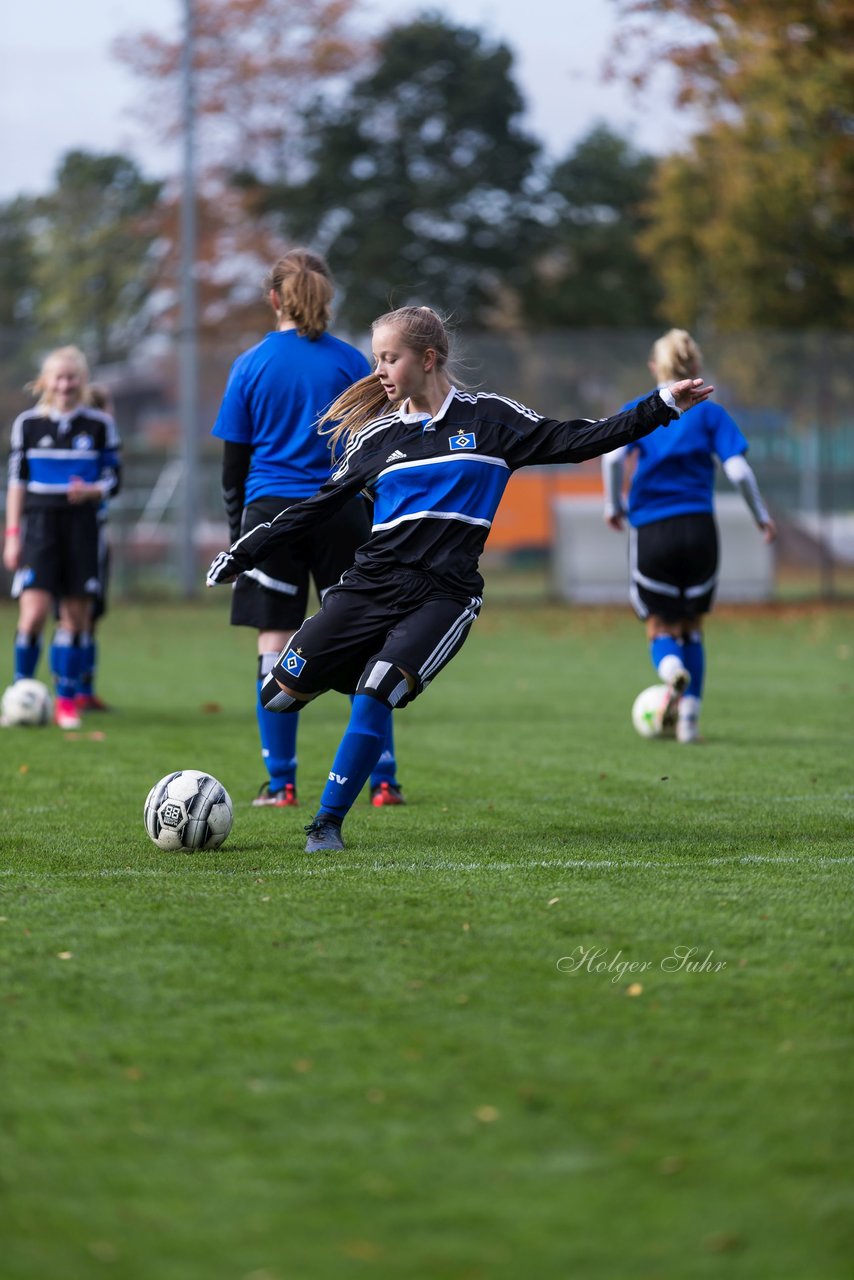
(412, 1060)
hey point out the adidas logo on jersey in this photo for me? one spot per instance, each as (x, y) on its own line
(45, 443)
(396, 456)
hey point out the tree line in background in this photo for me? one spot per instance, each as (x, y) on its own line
(403, 159)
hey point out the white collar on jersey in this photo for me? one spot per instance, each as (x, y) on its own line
(430, 423)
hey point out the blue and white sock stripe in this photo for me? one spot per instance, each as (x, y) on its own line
(449, 641)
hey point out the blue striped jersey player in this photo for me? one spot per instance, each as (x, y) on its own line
(435, 460)
(63, 466)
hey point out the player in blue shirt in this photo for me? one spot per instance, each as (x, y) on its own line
(273, 456)
(63, 466)
(673, 540)
(436, 461)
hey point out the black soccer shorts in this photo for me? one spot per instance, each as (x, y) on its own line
(674, 567)
(401, 617)
(274, 595)
(60, 551)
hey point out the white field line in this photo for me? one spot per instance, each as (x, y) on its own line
(316, 867)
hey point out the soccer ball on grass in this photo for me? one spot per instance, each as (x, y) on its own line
(26, 703)
(188, 810)
(646, 712)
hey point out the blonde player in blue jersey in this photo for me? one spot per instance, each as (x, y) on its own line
(673, 539)
(274, 456)
(436, 461)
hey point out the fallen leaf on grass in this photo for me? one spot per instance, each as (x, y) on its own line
(64, 955)
(552, 901)
(486, 1115)
(723, 1242)
(24, 768)
(210, 708)
(103, 1250)
(363, 1250)
(634, 989)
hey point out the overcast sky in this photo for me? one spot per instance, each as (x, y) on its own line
(61, 88)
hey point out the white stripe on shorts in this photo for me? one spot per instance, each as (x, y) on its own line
(448, 641)
(272, 584)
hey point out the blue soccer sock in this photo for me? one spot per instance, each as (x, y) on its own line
(385, 769)
(661, 647)
(694, 657)
(88, 660)
(278, 733)
(27, 653)
(357, 754)
(65, 662)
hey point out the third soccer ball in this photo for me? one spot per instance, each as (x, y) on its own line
(26, 703)
(646, 712)
(188, 810)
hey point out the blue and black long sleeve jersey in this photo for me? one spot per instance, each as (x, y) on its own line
(48, 451)
(436, 483)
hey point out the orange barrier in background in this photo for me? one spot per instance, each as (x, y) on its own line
(524, 519)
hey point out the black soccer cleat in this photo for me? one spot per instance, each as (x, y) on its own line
(324, 835)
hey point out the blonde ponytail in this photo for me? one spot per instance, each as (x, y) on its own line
(676, 356)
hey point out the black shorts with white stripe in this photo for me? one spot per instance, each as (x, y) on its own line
(274, 595)
(400, 616)
(674, 567)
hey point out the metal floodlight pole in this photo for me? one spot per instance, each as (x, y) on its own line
(189, 361)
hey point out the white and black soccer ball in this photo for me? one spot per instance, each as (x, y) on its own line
(188, 810)
(26, 703)
(646, 712)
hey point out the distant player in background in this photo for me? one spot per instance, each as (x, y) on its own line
(98, 397)
(274, 456)
(673, 539)
(436, 461)
(63, 465)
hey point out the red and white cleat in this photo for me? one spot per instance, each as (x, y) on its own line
(386, 793)
(65, 713)
(284, 798)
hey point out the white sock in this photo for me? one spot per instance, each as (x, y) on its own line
(687, 726)
(670, 667)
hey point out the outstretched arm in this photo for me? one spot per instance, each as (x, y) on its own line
(740, 473)
(256, 544)
(548, 441)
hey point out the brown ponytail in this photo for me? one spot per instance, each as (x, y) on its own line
(303, 286)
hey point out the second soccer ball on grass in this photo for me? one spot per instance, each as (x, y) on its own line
(647, 710)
